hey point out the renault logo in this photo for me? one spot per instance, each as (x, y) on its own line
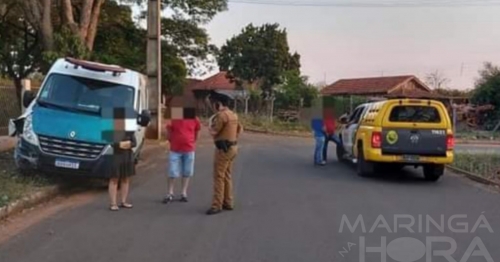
(414, 139)
(72, 134)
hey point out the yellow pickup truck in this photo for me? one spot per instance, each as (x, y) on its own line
(394, 133)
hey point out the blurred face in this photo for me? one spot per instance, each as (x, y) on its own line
(328, 113)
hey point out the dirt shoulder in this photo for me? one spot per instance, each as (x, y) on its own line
(20, 191)
(14, 186)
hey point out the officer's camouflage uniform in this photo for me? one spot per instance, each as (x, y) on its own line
(226, 128)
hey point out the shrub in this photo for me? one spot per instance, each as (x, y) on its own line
(486, 164)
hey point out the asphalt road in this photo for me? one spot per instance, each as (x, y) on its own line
(286, 210)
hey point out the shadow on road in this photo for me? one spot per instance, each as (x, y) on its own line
(407, 175)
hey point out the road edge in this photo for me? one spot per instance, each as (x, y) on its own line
(51, 192)
(30, 201)
(273, 133)
(472, 176)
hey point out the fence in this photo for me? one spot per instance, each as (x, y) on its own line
(9, 107)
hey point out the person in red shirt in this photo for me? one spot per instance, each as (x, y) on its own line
(329, 127)
(182, 135)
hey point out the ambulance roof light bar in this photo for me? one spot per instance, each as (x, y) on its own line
(116, 70)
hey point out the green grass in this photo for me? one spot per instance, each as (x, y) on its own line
(484, 164)
(264, 124)
(6, 82)
(14, 186)
(477, 135)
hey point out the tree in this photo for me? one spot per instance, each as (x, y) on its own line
(295, 92)
(19, 45)
(79, 17)
(124, 44)
(39, 14)
(452, 92)
(436, 80)
(258, 55)
(487, 91)
(187, 40)
(42, 30)
(120, 41)
(487, 88)
(186, 47)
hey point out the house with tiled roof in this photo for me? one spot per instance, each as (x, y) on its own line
(219, 81)
(389, 86)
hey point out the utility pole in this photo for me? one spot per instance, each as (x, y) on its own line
(154, 68)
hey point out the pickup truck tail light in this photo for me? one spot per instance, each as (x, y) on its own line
(376, 140)
(450, 142)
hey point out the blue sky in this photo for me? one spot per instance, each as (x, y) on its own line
(364, 42)
(337, 42)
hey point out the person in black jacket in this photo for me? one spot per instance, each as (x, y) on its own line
(123, 168)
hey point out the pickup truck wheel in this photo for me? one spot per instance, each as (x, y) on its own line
(433, 172)
(364, 168)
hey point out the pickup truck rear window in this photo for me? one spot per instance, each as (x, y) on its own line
(415, 114)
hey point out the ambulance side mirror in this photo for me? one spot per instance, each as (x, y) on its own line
(144, 118)
(28, 97)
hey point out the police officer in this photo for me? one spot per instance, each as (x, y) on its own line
(225, 129)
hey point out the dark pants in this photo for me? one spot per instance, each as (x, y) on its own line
(329, 138)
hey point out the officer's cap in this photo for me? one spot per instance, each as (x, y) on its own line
(219, 96)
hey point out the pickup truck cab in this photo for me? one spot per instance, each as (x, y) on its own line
(61, 130)
(395, 133)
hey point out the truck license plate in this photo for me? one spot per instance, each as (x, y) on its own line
(67, 164)
(411, 158)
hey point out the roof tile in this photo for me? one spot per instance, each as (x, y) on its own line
(218, 81)
(415, 93)
(374, 85)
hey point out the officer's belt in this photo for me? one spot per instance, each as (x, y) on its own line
(224, 144)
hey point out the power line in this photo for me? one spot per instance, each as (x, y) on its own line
(350, 3)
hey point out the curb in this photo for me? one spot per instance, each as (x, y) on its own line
(256, 131)
(477, 142)
(44, 195)
(473, 176)
(29, 201)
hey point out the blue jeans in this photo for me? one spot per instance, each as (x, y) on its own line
(328, 138)
(181, 164)
(318, 149)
